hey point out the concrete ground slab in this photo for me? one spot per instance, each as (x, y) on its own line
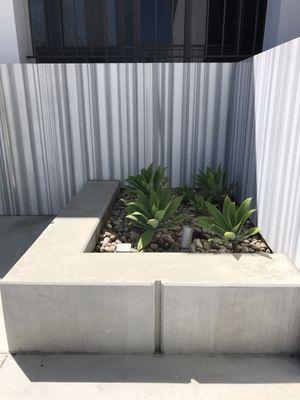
(192, 377)
(17, 234)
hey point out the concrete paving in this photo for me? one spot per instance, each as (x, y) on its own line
(17, 234)
(149, 377)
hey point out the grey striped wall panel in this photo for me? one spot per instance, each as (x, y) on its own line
(264, 142)
(61, 125)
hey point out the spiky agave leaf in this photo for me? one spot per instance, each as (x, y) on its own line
(229, 223)
(154, 211)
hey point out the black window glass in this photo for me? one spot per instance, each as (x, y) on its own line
(111, 23)
(128, 23)
(230, 27)
(198, 22)
(147, 22)
(215, 27)
(74, 22)
(164, 23)
(178, 22)
(146, 30)
(38, 25)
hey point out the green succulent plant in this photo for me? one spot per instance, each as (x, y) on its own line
(186, 192)
(152, 212)
(212, 184)
(228, 225)
(149, 178)
(198, 203)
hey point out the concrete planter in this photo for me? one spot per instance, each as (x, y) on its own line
(59, 297)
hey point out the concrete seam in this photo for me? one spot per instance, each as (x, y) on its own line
(157, 316)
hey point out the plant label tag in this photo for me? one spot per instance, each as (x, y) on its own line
(123, 248)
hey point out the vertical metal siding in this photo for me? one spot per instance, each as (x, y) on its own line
(263, 151)
(62, 124)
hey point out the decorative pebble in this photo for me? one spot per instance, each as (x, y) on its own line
(119, 229)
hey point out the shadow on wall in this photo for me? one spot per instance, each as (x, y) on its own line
(159, 368)
(241, 159)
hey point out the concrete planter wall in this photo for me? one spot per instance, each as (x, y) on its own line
(59, 297)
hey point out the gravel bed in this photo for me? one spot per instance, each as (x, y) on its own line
(119, 229)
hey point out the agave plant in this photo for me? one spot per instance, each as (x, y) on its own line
(153, 212)
(186, 192)
(228, 225)
(148, 179)
(198, 203)
(212, 185)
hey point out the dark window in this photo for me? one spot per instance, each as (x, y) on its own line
(74, 23)
(146, 30)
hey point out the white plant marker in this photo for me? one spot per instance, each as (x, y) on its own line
(123, 248)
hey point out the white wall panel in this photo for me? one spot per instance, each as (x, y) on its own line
(263, 153)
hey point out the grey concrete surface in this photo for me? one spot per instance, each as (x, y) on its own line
(80, 318)
(53, 295)
(17, 234)
(2, 359)
(237, 319)
(149, 377)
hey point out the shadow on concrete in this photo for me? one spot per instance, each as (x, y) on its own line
(241, 157)
(17, 234)
(159, 368)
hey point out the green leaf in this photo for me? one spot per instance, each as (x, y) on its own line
(250, 232)
(160, 214)
(229, 236)
(136, 221)
(153, 223)
(145, 239)
(204, 222)
(243, 208)
(217, 215)
(244, 218)
(136, 206)
(163, 198)
(175, 221)
(226, 205)
(153, 198)
(173, 206)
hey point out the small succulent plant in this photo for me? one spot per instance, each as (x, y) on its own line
(212, 184)
(228, 225)
(152, 212)
(198, 204)
(149, 178)
(186, 192)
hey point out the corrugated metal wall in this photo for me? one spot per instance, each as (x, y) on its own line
(264, 142)
(61, 125)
